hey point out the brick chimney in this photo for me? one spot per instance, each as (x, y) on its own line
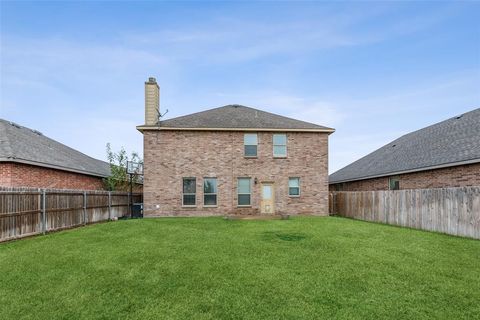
(152, 102)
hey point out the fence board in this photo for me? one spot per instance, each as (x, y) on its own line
(454, 211)
(476, 208)
(21, 209)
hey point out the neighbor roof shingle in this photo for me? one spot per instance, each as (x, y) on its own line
(452, 141)
(21, 144)
(241, 117)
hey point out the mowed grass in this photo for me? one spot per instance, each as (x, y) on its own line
(210, 268)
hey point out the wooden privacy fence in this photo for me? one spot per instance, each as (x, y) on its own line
(454, 211)
(25, 212)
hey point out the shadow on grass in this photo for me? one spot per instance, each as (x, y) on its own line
(284, 236)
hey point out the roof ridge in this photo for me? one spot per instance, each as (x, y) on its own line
(64, 145)
(196, 113)
(246, 117)
(32, 146)
(434, 145)
(457, 117)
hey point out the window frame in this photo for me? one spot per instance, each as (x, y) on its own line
(250, 193)
(279, 145)
(393, 178)
(245, 145)
(184, 194)
(299, 189)
(210, 194)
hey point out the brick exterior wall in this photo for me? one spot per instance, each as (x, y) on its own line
(171, 155)
(458, 176)
(24, 175)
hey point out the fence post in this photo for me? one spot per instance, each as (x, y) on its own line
(128, 206)
(109, 205)
(44, 213)
(334, 204)
(14, 218)
(84, 207)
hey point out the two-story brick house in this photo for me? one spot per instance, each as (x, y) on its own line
(232, 160)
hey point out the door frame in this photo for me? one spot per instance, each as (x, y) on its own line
(272, 200)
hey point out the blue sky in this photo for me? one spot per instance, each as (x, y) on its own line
(372, 70)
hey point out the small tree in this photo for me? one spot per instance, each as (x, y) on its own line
(119, 179)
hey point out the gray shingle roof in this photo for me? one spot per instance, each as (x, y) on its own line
(449, 142)
(21, 144)
(237, 116)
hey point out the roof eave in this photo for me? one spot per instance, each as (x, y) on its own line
(143, 128)
(51, 166)
(393, 173)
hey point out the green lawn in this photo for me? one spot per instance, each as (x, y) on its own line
(210, 268)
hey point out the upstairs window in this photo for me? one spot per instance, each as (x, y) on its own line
(250, 142)
(209, 191)
(189, 191)
(394, 183)
(244, 191)
(280, 145)
(294, 187)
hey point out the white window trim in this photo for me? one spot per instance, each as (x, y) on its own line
(299, 189)
(244, 145)
(279, 145)
(216, 193)
(187, 194)
(250, 194)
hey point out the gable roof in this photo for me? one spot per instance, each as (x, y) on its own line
(24, 145)
(236, 117)
(448, 143)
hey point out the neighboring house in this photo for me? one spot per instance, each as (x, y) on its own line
(30, 159)
(232, 160)
(446, 154)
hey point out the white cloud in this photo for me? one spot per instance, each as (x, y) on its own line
(306, 109)
(87, 92)
(232, 39)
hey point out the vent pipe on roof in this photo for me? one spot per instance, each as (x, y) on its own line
(152, 102)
